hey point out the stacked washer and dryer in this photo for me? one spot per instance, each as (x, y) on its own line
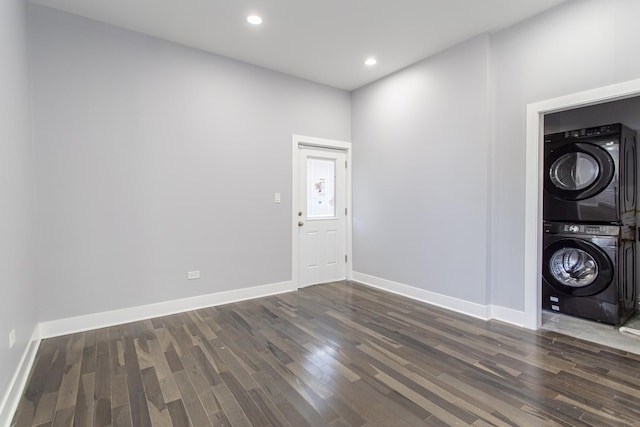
(589, 211)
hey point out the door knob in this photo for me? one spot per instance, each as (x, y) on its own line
(300, 223)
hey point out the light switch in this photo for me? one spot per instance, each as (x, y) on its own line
(276, 198)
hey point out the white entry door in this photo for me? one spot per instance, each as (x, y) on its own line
(322, 216)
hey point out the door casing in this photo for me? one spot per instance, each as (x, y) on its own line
(313, 142)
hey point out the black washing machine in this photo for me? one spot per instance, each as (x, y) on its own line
(588, 271)
(590, 175)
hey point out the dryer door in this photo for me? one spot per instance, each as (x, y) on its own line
(578, 171)
(577, 267)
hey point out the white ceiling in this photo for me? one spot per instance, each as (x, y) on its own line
(323, 40)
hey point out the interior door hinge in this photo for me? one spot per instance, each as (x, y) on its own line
(345, 164)
(345, 211)
(345, 258)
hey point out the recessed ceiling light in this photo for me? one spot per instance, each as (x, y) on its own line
(254, 19)
(370, 61)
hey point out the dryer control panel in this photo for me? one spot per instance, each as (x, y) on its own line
(584, 133)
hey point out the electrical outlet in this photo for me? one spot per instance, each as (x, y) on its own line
(191, 275)
(12, 338)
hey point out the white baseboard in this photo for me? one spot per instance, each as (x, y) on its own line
(484, 312)
(13, 393)
(87, 322)
(440, 300)
(508, 315)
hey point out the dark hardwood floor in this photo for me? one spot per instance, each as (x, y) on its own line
(330, 355)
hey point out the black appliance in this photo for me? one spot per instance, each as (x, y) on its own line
(590, 175)
(588, 271)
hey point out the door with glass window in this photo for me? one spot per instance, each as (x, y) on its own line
(322, 216)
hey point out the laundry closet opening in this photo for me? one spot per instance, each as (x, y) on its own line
(589, 260)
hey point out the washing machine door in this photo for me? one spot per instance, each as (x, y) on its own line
(577, 267)
(578, 171)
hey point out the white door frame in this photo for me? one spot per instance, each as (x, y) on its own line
(309, 141)
(534, 178)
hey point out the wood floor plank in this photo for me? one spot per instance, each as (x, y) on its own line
(46, 409)
(145, 360)
(68, 392)
(230, 406)
(178, 414)
(339, 354)
(158, 412)
(120, 399)
(102, 393)
(34, 390)
(85, 401)
(139, 410)
(121, 416)
(201, 386)
(269, 408)
(89, 353)
(166, 381)
(64, 417)
(251, 410)
(192, 403)
(102, 415)
(55, 372)
(295, 405)
(272, 391)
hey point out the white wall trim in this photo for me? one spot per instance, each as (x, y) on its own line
(484, 312)
(433, 298)
(87, 322)
(309, 141)
(492, 175)
(533, 182)
(14, 391)
(507, 315)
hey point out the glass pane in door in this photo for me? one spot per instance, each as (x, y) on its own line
(321, 188)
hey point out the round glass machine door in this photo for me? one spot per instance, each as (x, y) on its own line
(574, 171)
(578, 171)
(577, 267)
(573, 267)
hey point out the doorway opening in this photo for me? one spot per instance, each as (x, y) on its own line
(535, 130)
(320, 211)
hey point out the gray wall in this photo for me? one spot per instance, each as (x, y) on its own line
(442, 143)
(421, 174)
(17, 300)
(153, 159)
(579, 46)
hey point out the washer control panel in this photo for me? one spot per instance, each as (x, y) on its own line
(589, 229)
(583, 229)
